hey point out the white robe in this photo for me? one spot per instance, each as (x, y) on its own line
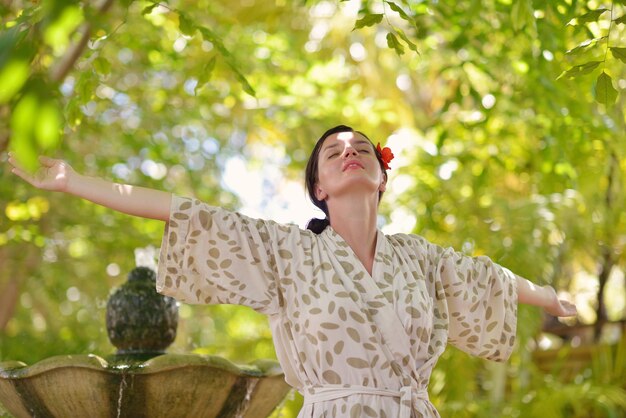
(352, 343)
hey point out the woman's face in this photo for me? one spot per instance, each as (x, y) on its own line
(347, 163)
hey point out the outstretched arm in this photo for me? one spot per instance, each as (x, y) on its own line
(544, 297)
(57, 175)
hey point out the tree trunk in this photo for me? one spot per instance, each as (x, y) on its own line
(9, 289)
(8, 300)
(12, 278)
(603, 276)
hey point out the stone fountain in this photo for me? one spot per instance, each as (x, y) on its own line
(141, 380)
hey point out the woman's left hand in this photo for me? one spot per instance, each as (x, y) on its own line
(558, 307)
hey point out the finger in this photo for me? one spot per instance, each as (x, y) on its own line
(14, 162)
(572, 310)
(568, 305)
(569, 309)
(46, 161)
(24, 175)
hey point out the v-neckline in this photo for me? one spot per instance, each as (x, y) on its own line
(389, 327)
(352, 254)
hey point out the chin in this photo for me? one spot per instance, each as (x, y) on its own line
(359, 184)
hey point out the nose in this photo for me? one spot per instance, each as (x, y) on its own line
(349, 152)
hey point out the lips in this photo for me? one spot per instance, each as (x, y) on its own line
(352, 164)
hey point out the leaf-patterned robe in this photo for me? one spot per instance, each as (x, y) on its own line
(352, 343)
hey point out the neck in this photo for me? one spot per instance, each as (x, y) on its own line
(355, 222)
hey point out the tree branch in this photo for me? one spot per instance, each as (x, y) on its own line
(60, 70)
(608, 260)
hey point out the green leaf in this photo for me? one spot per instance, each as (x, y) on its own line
(12, 78)
(186, 25)
(522, 14)
(244, 82)
(369, 19)
(204, 78)
(605, 93)
(620, 20)
(25, 114)
(102, 65)
(400, 11)
(24, 152)
(48, 125)
(86, 86)
(57, 34)
(619, 53)
(393, 43)
(8, 39)
(584, 45)
(31, 15)
(591, 16)
(147, 10)
(402, 35)
(210, 36)
(23, 121)
(73, 113)
(11, 42)
(579, 70)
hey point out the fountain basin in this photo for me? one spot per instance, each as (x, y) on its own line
(169, 385)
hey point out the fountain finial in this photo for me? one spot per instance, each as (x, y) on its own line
(139, 320)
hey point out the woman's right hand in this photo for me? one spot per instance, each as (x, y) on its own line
(53, 174)
(57, 175)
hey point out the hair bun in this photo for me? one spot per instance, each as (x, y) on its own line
(317, 225)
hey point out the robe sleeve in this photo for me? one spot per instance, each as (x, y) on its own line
(481, 297)
(210, 255)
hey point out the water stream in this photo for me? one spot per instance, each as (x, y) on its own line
(123, 384)
(243, 406)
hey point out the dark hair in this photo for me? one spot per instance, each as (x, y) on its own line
(318, 225)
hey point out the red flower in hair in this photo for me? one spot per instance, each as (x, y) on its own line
(386, 155)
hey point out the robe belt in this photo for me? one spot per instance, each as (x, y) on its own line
(313, 394)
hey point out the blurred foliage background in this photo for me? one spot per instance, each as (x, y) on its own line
(506, 117)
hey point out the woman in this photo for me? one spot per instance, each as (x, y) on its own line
(358, 318)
